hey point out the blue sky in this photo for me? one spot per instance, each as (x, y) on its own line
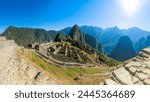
(57, 14)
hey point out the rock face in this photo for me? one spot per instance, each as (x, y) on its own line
(17, 71)
(76, 34)
(135, 72)
(124, 49)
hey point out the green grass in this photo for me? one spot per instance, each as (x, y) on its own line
(62, 75)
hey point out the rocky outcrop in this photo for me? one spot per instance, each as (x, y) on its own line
(75, 33)
(134, 72)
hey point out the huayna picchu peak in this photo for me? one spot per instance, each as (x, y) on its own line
(75, 33)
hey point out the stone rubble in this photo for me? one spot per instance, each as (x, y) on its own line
(134, 72)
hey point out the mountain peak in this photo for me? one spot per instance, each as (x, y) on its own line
(124, 49)
(115, 27)
(75, 33)
(75, 26)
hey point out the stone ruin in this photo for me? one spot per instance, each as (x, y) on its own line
(64, 52)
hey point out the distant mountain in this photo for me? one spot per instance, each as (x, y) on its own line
(124, 49)
(25, 36)
(147, 42)
(53, 33)
(66, 30)
(76, 34)
(135, 33)
(91, 30)
(140, 44)
(110, 38)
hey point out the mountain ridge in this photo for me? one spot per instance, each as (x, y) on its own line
(103, 40)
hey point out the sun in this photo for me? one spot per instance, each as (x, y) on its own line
(130, 6)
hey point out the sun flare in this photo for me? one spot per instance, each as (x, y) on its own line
(130, 6)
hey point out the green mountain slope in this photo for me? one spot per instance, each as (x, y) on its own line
(25, 36)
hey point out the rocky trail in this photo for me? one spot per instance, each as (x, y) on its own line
(16, 71)
(136, 71)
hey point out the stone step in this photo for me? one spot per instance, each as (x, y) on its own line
(132, 70)
(146, 71)
(143, 54)
(141, 76)
(147, 81)
(114, 79)
(123, 76)
(135, 79)
(110, 82)
(146, 50)
(133, 64)
(140, 58)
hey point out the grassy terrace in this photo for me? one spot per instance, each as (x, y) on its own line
(64, 75)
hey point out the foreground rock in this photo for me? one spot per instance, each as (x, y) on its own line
(15, 71)
(122, 76)
(135, 72)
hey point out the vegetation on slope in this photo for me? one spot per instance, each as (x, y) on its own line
(25, 36)
(64, 75)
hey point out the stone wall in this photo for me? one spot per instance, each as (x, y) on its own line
(42, 50)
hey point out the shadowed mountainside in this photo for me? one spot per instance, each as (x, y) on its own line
(25, 36)
(124, 49)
